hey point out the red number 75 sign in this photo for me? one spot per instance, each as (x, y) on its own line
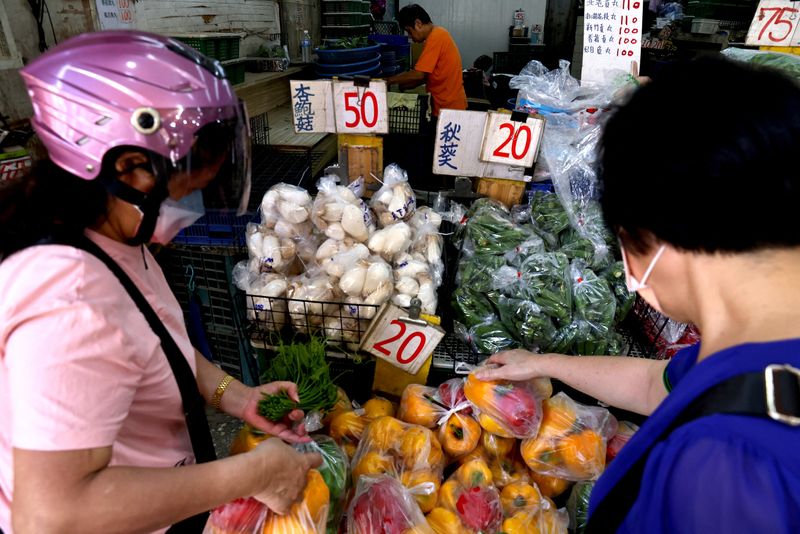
(775, 24)
(403, 342)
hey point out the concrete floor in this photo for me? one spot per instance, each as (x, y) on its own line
(223, 429)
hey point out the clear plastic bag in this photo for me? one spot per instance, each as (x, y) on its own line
(578, 505)
(571, 443)
(471, 306)
(527, 323)
(428, 242)
(338, 205)
(491, 230)
(445, 408)
(335, 471)
(471, 497)
(625, 432)
(241, 516)
(408, 453)
(546, 519)
(312, 298)
(249, 516)
(508, 409)
(615, 276)
(287, 203)
(545, 280)
(395, 200)
(529, 247)
(487, 337)
(592, 297)
(477, 271)
(381, 505)
(391, 240)
(273, 253)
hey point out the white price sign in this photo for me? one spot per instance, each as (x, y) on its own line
(459, 137)
(512, 139)
(775, 24)
(612, 38)
(403, 342)
(312, 106)
(360, 109)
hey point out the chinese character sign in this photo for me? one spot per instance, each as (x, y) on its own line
(612, 37)
(312, 106)
(116, 14)
(459, 138)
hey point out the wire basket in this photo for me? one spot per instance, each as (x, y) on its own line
(339, 323)
(259, 129)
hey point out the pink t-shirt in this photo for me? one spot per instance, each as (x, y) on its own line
(80, 368)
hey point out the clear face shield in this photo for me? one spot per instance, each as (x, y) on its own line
(214, 173)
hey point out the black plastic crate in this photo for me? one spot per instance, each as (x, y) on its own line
(272, 167)
(514, 62)
(214, 309)
(386, 27)
(345, 6)
(409, 121)
(259, 129)
(216, 228)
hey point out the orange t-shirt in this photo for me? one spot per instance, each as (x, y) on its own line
(442, 62)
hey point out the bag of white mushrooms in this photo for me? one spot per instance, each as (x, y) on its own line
(395, 200)
(330, 266)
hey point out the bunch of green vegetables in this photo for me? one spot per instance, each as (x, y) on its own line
(348, 43)
(491, 230)
(548, 216)
(615, 276)
(487, 337)
(305, 365)
(545, 281)
(527, 322)
(593, 299)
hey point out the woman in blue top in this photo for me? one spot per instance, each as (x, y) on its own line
(706, 210)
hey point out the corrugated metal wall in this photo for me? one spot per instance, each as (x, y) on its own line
(480, 26)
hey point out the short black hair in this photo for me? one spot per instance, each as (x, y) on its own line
(409, 15)
(705, 158)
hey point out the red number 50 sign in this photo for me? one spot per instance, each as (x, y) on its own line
(361, 109)
(511, 142)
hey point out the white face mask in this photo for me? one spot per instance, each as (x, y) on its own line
(175, 215)
(641, 287)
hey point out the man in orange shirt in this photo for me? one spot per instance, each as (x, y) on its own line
(439, 66)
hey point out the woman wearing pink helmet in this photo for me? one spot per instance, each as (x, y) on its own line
(102, 427)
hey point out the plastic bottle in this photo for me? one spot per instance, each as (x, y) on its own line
(305, 47)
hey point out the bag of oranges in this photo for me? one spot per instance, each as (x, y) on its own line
(444, 408)
(571, 443)
(408, 453)
(508, 409)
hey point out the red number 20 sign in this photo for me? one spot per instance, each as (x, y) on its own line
(402, 342)
(511, 142)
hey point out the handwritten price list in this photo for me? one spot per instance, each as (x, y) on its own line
(775, 24)
(612, 37)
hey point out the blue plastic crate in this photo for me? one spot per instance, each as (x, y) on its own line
(216, 228)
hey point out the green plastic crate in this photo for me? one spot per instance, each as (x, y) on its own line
(216, 46)
(234, 70)
(720, 10)
(345, 6)
(345, 19)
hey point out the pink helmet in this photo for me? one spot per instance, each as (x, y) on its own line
(107, 89)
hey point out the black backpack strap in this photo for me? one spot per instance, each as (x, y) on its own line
(773, 393)
(192, 399)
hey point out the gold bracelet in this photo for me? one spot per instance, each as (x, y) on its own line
(223, 385)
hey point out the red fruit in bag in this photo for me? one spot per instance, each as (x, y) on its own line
(451, 393)
(479, 509)
(240, 515)
(518, 407)
(379, 511)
